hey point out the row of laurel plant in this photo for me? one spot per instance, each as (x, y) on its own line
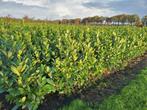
(40, 59)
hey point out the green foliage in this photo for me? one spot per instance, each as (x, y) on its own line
(1, 105)
(36, 59)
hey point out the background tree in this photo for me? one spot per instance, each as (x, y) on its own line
(144, 20)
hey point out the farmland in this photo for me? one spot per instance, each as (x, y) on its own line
(39, 59)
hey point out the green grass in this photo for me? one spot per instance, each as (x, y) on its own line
(131, 97)
(1, 105)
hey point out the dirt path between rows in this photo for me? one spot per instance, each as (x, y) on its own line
(96, 93)
(109, 85)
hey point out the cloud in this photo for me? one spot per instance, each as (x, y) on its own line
(52, 9)
(131, 6)
(40, 3)
(20, 10)
(58, 9)
(123, 6)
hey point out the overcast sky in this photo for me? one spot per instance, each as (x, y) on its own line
(58, 9)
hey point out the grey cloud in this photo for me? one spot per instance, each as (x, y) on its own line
(131, 6)
(16, 5)
(124, 6)
(96, 4)
(19, 10)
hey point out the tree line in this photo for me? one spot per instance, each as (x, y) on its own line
(122, 19)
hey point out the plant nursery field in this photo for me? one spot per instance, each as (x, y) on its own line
(38, 60)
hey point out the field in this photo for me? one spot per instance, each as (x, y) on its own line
(38, 59)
